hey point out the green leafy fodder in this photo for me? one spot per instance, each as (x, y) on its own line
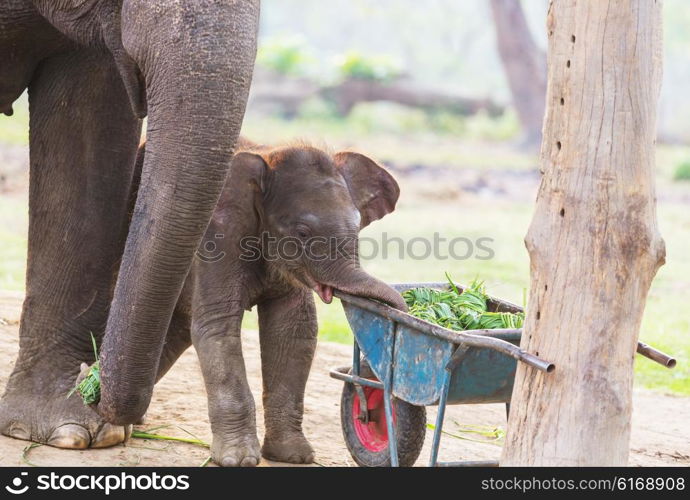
(456, 310)
(90, 388)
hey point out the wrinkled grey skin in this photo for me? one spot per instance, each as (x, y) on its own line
(298, 194)
(93, 68)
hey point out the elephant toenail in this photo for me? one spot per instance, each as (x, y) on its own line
(18, 431)
(249, 462)
(229, 462)
(109, 435)
(70, 436)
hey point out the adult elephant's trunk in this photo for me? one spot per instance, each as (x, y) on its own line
(196, 59)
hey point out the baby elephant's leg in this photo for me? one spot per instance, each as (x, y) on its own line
(231, 410)
(288, 329)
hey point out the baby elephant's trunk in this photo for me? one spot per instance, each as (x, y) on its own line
(364, 285)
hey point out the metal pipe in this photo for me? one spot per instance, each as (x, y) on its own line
(355, 359)
(390, 427)
(338, 374)
(440, 416)
(654, 355)
(389, 345)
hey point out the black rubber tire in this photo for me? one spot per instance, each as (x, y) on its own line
(410, 430)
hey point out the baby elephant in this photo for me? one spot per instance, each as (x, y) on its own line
(286, 223)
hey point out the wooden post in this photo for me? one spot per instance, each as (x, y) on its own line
(593, 242)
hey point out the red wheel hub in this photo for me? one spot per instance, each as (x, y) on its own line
(372, 434)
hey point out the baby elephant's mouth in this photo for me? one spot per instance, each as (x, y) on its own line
(324, 291)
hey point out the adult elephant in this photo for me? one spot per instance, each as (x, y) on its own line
(93, 69)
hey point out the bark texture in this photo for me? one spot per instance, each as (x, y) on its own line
(593, 243)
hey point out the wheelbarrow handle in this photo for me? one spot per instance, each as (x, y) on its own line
(536, 362)
(654, 355)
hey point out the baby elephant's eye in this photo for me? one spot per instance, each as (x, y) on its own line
(302, 231)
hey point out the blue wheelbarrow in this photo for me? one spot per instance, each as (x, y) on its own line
(401, 364)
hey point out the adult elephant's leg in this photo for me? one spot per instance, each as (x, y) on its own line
(287, 329)
(83, 139)
(197, 60)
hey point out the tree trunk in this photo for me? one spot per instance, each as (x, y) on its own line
(593, 242)
(524, 64)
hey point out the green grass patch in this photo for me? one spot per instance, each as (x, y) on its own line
(682, 172)
(375, 67)
(333, 326)
(15, 129)
(285, 55)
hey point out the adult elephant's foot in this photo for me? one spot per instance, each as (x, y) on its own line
(291, 448)
(57, 421)
(236, 450)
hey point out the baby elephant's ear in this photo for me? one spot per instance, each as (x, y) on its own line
(244, 189)
(248, 168)
(372, 188)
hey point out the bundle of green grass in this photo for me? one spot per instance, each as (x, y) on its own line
(90, 387)
(456, 310)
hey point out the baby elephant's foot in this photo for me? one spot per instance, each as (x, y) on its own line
(236, 451)
(292, 448)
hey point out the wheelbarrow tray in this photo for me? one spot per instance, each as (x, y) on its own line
(416, 354)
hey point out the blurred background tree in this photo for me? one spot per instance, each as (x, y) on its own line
(490, 53)
(524, 65)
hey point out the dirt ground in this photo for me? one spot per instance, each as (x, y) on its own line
(660, 433)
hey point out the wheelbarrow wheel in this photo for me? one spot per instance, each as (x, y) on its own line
(368, 441)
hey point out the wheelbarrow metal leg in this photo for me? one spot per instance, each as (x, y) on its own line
(389, 340)
(390, 426)
(355, 359)
(439, 420)
(356, 369)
